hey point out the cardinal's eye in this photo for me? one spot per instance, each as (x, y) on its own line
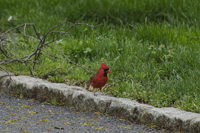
(105, 72)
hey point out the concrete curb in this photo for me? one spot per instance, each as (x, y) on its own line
(171, 119)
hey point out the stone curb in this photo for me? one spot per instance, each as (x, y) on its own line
(170, 118)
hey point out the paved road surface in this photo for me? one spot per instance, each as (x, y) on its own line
(23, 115)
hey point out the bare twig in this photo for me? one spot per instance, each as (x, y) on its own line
(28, 35)
(11, 30)
(34, 57)
(72, 61)
(6, 72)
(55, 57)
(31, 72)
(53, 71)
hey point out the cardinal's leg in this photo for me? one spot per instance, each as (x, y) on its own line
(94, 91)
(101, 91)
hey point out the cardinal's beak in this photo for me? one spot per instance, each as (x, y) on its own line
(108, 71)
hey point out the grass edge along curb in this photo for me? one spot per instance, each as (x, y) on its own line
(170, 118)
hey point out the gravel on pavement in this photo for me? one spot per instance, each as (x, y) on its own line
(21, 115)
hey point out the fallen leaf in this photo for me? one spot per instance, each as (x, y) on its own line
(153, 126)
(122, 119)
(66, 123)
(5, 130)
(44, 116)
(25, 106)
(86, 124)
(44, 120)
(100, 128)
(79, 118)
(15, 123)
(50, 113)
(97, 113)
(71, 107)
(32, 112)
(124, 127)
(9, 121)
(29, 100)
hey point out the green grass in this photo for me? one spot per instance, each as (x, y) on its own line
(151, 47)
(48, 13)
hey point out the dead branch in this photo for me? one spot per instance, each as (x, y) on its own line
(6, 72)
(55, 57)
(34, 57)
(72, 61)
(53, 71)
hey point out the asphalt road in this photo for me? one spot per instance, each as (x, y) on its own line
(27, 115)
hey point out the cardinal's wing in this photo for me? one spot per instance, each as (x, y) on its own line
(94, 78)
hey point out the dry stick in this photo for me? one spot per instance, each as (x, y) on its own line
(72, 61)
(2, 39)
(3, 53)
(14, 60)
(60, 32)
(42, 43)
(17, 20)
(10, 51)
(19, 60)
(28, 35)
(23, 62)
(9, 31)
(87, 69)
(34, 53)
(24, 24)
(31, 71)
(6, 72)
(27, 57)
(51, 31)
(25, 28)
(37, 53)
(55, 57)
(53, 71)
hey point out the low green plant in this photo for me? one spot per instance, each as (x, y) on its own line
(152, 51)
(53, 101)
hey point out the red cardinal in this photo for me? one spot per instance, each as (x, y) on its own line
(100, 78)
